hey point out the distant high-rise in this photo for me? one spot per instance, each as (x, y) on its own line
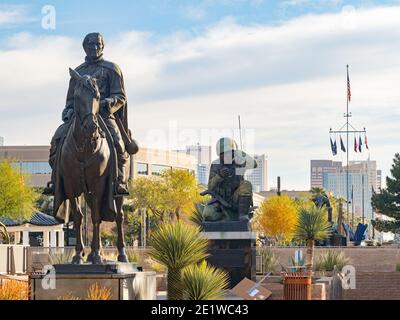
(319, 167)
(378, 181)
(1, 141)
(362, 180)
(259, 176)
(203, 154)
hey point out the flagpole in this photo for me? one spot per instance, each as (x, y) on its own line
(354, 131)
(347, 132)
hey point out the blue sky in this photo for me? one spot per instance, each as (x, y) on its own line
(160, 17)
(191, 67)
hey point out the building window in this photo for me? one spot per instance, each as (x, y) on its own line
(143, 169)
(156, 169)
(32, 167)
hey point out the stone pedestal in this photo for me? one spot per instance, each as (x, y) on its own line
(232, 248)
(123, 279)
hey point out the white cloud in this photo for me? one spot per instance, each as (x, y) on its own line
(195, 13)
(288, 82)
(13, 14)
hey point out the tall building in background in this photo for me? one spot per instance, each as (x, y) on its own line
(363, 178)
(319, 167)
(259, 176)
(147, 162)
(1, 141)
(378, 181)
(203, 155)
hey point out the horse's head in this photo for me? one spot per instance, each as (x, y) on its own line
(86, 102)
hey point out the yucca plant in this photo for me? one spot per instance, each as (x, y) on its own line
(176, 246)
(329, 259)
(204, 282)
(197, 214)
(312, 225)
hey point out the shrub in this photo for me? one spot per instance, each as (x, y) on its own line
(329, 259)
(98, 293)
(204, 282)
(398, 267)
(269, 261)
(176, 246)
(63, 257)
(14, 290)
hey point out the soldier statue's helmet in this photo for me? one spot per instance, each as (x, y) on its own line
(226, 145)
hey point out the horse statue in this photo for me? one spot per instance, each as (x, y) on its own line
(86, 168)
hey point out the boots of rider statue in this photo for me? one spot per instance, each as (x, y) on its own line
(121, 186)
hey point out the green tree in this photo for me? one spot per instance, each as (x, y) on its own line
(147, 193)
(312, 225)
(176, 245)
(17, 199)
(180, 192)
(388, 201)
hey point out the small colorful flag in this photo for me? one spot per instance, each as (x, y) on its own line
(333, 147)
(342, 145)
(366, 142)
(359, 143)
(355, 144)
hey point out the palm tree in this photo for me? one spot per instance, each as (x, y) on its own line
(176, 246)
(312, 225)
(203, 282)
(317, 191)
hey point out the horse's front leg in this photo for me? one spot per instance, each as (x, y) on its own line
(95, 256)
(121, 241)
(78, 216)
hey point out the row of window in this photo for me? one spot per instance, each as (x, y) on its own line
(156, 169)
(32, 167)
(44, 168)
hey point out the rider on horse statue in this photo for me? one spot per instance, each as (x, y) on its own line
(113, 110)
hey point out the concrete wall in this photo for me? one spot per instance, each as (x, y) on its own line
(376, 278)
(375, 286)
(12, 262)
(364, 259)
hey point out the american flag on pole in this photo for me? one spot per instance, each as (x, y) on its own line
(348, 85)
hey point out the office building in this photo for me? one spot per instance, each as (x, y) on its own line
(259, 176)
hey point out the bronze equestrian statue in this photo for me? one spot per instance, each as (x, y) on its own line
(89, 152)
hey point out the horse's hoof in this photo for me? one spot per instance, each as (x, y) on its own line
(122, 258)
(95, 259)
(77, 259)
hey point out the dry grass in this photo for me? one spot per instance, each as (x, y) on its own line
(68, 296)
(14, 290)
(98, 293)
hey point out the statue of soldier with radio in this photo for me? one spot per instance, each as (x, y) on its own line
(232, 195)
